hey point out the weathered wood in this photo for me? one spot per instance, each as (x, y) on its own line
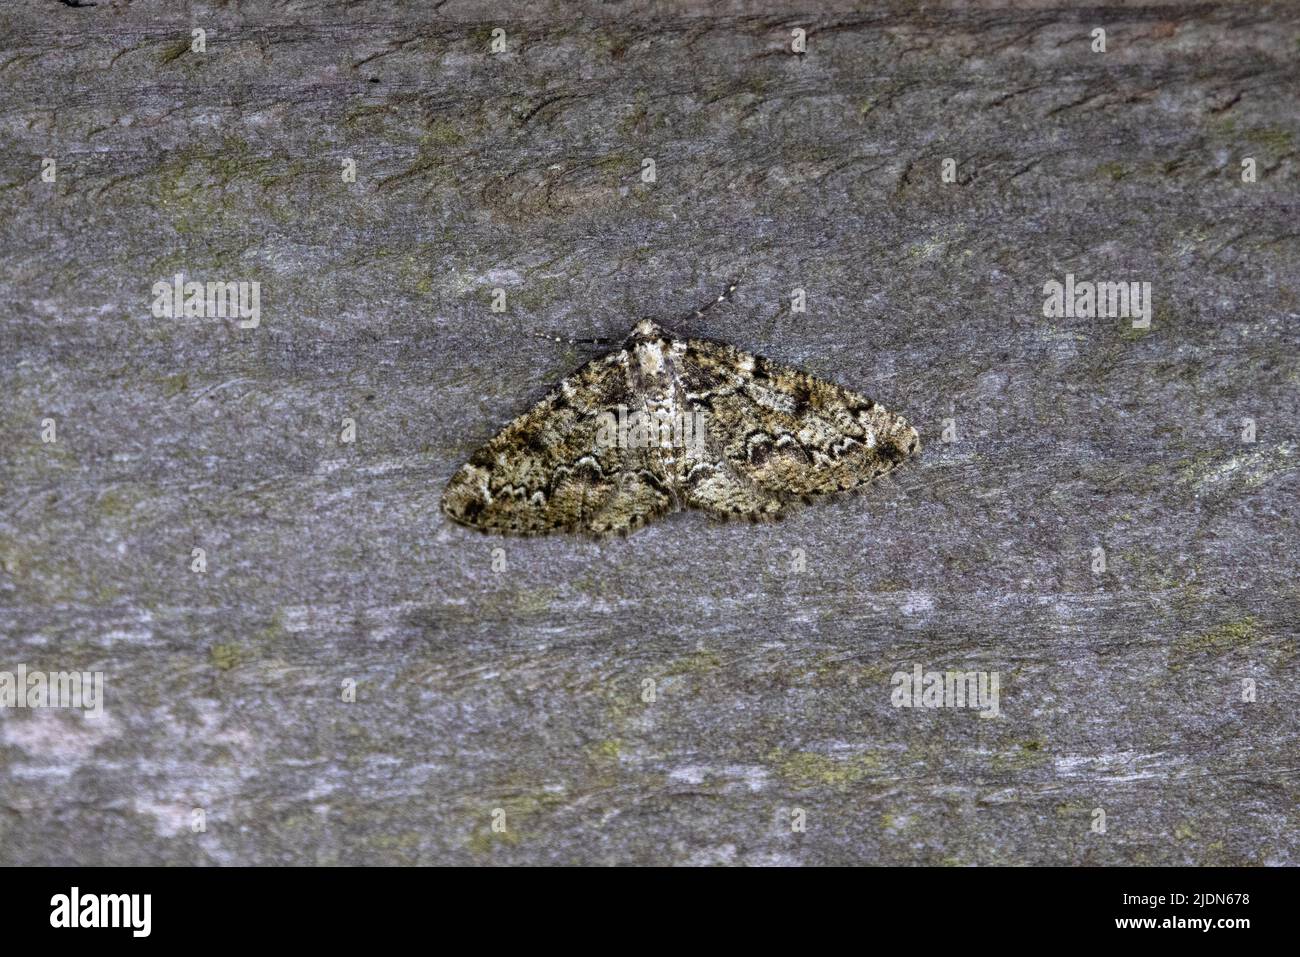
(523, 689)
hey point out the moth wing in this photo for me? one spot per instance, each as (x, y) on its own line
(553, 469)
(788, 433)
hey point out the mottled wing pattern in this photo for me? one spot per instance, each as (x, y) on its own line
(777, 435)
(546, 471)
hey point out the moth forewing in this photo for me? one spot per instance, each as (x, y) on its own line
(665, 423)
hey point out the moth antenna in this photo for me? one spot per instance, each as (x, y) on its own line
(699, 313)
(572, 340)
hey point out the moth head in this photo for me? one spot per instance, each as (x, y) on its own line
(647, 329)
(905, 439)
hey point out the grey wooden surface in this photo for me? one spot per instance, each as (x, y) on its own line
(522, 689)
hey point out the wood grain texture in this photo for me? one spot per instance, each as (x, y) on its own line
(522, 689)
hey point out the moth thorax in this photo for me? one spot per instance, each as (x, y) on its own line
(650, 357)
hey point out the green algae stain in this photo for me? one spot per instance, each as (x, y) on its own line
(1023, 756)
(1241, 633)
(1272, 138)
(807, 769)
(1112, 171)
(442, 133)
(227, 655)
(531, 602)
(174, 52)
(700, 663)
(519, 816)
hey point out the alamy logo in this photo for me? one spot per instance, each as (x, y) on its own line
(55, 689)
(103, 910)
(1093, 300)
(210, 300)
(947, 689)
(647, 430)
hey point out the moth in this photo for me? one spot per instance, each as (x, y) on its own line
(665, 423)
